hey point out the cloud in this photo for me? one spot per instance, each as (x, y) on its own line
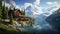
(49, 3)
(35, 7)
(12, 3)
(56, 4)
(36, 10)
(27, 5)
(6, 4)
(37, 2)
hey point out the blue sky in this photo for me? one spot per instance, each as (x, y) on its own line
(37, 6)
(42, 2)
(21, 2)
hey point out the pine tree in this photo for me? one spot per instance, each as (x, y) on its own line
(4, 12)
(10, 15)
(24, 12)
(11, 19)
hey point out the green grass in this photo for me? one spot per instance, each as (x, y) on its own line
(4, 26)
(4, 29)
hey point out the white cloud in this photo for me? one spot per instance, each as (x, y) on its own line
(56, 4)
(6, 4)
(27, 5)
(49, 3)
(37, 2)
(36, 10)
(13, 4)
(35, 7)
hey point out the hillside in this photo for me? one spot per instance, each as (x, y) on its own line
(54, 19)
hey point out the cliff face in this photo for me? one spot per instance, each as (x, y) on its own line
(54, 19)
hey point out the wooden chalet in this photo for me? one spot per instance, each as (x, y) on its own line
(18, 15)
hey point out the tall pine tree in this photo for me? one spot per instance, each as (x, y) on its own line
(4, 12)
(24, 12)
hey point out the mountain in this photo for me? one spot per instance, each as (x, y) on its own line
(54, 19)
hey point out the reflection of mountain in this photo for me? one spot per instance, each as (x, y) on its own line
(41, 19)
(54, 19)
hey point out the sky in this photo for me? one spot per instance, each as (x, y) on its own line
(42, 2)
(34, 8)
